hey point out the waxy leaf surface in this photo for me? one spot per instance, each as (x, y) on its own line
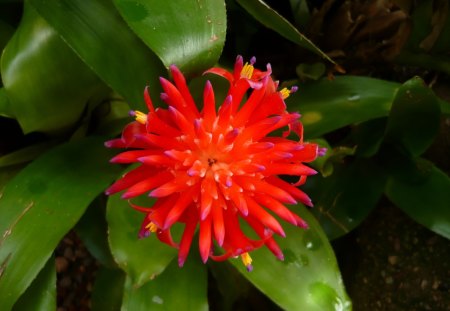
(41, 204)
(34, 66)
(141, 259)
(414, 117)
(426, 201)
(175, 289)
(41, 295)
(190, 34)
(308, 278)
(97, 33)
(344, 199)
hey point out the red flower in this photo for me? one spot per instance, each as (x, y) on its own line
(209, 168)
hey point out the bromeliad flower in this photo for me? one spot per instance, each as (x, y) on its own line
(211, 168)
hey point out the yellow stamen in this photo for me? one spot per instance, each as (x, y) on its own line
(151, 227)
(140, 117)
(285, 93)
(247, 261)
(247, 71)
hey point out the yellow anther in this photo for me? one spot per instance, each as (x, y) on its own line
(285, 93)
(151, 227)
(140, 117)
(247, 261)
(247, 71)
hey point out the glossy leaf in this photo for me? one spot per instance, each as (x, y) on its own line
(41, 295)
(108, 289)
(107, 45)
(6, 32)
(175, 289)
(42, 96)
(5, 105)
(93, 231)
(26, 154)
(308, 278)
(426, 201)
(141, 259)
(328, 105)
(41, 204)
(414, 117)
(271, 19)
(368, 136)
(344, 199)
(190, 34)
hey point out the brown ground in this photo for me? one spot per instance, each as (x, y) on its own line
(392, 263)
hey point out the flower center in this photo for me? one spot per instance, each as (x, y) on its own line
(211, 161)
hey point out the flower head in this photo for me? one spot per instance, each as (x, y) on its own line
(209, 168)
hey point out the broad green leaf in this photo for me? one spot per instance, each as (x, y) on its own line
(5, 109)
(344, 199)
(26, 154)
(41, 204)
(426, 201)
(141, 259)
(190, 34)
(271, 19)
(328, 105)
(368, 136)
(175, 289)
(420, 59)
(308, 278)
(46, 83)
(41, 295)
(108, 289)
(414, 117)
(93, 231)
(6, 32)
(97, 33)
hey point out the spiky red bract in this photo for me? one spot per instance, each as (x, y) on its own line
(209, 168)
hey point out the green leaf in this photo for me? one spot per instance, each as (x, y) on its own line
(308, 278)
(5, 107)
(368, 136)
(190, 34)
(107, 45)
(175, 289)
(26, 154)
(41, 295)
(40, 205)
(34, 68)
(426, 201)
(108, 289)
(271, 19)
(93, 231)
(328, 105)
(414, 118)
(141, 259)
(344, 199)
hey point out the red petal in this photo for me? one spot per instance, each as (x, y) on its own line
(186, 241)
(209, 109)
(180, 82)
(278, 208)
(176, 100)
(131, 156)
(295, 192)
(130, 179)
(147, 184)
(184, 200)
(264, 217)
(205, 239)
